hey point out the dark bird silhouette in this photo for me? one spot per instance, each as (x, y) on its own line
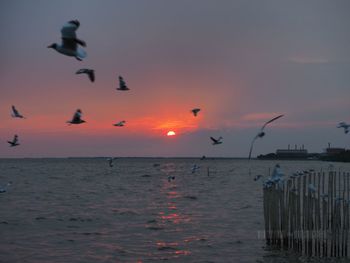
(76, 118)
(120, 124)
(110, 161)
(89, 72)
(14, 142)
(261, 134)
(15, 113)
(70, 42)
(216, 141)
(195, 111)
(122, 84)
(345, 126)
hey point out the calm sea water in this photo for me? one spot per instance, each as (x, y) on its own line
(81, 210)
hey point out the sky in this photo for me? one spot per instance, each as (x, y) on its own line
(241, 62)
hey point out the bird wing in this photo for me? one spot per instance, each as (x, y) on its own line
(279, 116)
(15, 139)
(69, 37)
(213, 139)
(15, 112)
(81, 71)
(91, 74)
(69, 28)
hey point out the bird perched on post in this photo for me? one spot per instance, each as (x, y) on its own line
(70, 43)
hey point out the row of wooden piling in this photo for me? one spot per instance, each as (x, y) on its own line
(309, 214)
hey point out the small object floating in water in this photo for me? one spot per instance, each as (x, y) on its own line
(194, 168)
(110, 161)
(4, 188)
(203, 157)
(170, 178)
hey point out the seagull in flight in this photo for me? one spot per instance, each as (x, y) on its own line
(110, 161)
(76, 118)
(261, 134)
(89, 72)
(14, 142)
(345, 126)
(216, 141)
(15, 113)
(70, 42)
(195, 111)
(122, 84)
(120, 124)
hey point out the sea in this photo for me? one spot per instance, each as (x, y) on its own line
(139, 210)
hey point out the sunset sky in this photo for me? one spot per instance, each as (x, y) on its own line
(241, 61)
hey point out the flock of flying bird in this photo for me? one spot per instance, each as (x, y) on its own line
(71, 46)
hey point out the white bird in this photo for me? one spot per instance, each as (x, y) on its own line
(70, 42)
(261, 134)
(15, 113)
(216, 141)
(195, 111)
(89, 72)
(120, 124)
(277, 173)
(4, 188)
(122, 84)
(14, 142)
(345, 126)
(195, 167)
(110, 161)
(76, 118)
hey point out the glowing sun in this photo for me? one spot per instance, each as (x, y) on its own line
(171, 133)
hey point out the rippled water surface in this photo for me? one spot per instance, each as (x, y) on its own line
(81, 210)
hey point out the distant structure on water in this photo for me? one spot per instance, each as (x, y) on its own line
(289, 154)
(300, 153)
